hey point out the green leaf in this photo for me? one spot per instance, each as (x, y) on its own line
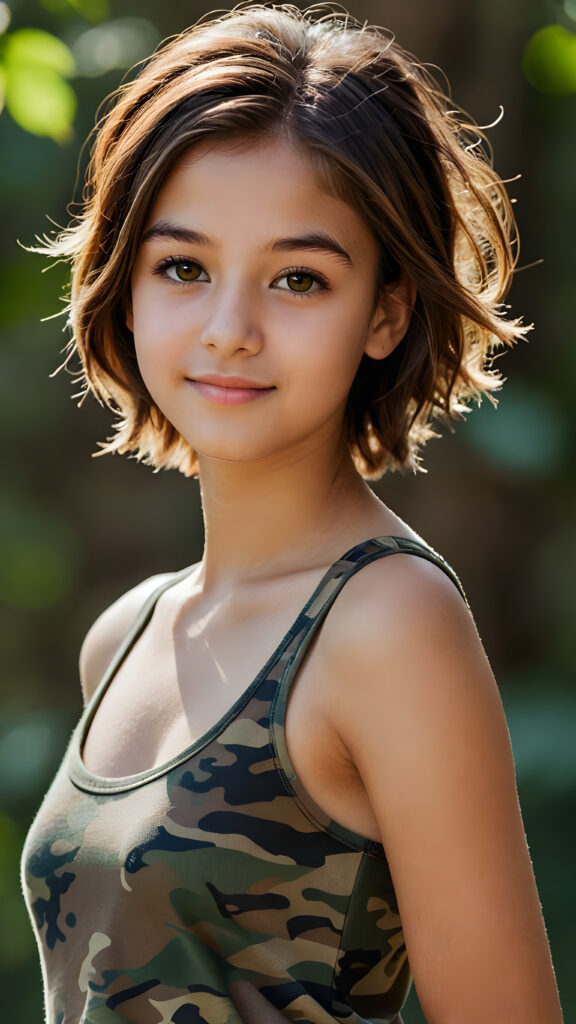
(31, 47)
(549, 61)
(40, 101)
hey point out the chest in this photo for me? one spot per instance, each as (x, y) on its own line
(182, 681)
(182, 677)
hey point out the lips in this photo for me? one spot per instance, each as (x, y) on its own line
(222, 381)
(223, 390)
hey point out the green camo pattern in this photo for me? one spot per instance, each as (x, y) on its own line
(213, 890)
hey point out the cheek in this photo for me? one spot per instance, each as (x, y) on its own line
(331, 346)
(158, 330)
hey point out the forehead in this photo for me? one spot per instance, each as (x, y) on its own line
(256, 184)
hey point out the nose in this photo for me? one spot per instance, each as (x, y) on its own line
(232, 326)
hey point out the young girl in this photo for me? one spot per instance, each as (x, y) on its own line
(292, 787)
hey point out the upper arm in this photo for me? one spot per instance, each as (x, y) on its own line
(108, 631)
(424, 726)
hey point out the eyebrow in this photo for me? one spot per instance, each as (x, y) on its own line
(314, 241)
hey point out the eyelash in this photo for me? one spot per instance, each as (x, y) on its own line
(174, 261)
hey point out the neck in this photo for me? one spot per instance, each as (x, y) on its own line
(266, 519)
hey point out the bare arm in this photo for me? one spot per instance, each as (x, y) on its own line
(418, 709)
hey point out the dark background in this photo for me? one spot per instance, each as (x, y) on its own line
(498, 501)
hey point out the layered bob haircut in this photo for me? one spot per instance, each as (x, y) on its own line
(381, 136)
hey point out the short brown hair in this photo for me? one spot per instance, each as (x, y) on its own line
(383, 137)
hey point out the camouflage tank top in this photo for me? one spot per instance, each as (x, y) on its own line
(212, 889)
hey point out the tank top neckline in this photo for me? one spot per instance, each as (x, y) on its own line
(89, 781)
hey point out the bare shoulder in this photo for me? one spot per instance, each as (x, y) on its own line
(403, 634)
(109, 629)
(399, 598)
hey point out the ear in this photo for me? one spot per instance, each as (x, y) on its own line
(128, 316)
(391, 317)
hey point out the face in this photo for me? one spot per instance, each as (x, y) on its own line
(253, 302)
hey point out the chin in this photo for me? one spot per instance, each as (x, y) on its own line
(226, 452)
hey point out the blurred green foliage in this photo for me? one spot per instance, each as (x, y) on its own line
(499, 499)
(36, 564)
(35, 65)
(550, 60)
(91, 10)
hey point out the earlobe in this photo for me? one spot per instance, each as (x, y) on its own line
(391, 318)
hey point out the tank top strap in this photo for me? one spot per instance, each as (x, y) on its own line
(139, 624)
(316, 609)
(379, 547)
(350, 563)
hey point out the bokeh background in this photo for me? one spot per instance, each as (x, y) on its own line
(499, 496)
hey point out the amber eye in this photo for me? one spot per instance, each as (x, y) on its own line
(184, 271)
(299, 282)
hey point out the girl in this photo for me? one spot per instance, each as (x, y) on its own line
(292, 787)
